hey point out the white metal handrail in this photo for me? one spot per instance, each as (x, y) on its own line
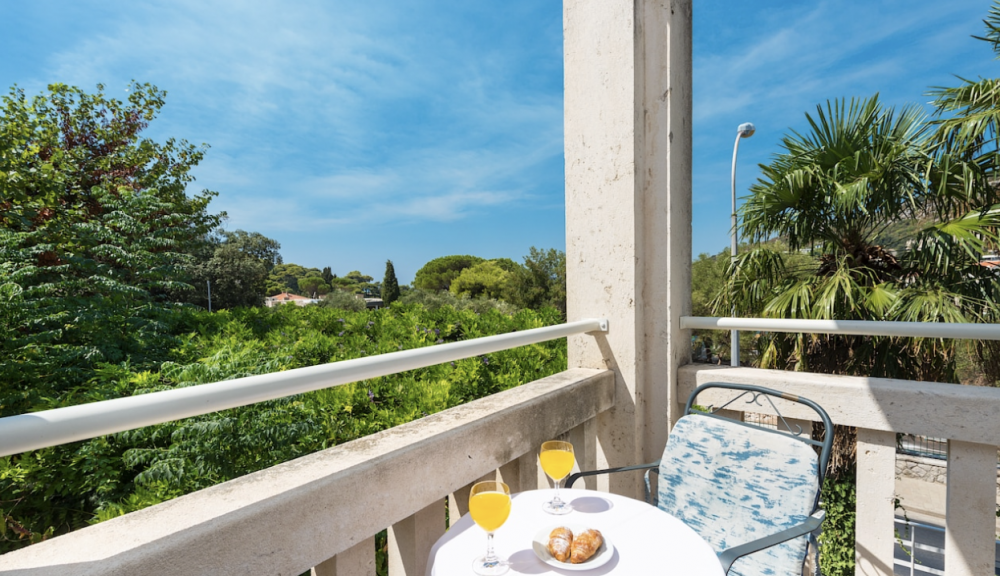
(847, 327)
(62, 425)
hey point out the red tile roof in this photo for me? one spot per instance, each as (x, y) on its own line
(287, 296)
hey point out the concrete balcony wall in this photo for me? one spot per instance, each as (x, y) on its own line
(322, 510)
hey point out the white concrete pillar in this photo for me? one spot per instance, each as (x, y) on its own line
(411, 540)
(358, 560)
(628, 211)
(874, 541)
(971, 509)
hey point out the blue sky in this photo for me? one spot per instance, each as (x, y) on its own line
(355, 132)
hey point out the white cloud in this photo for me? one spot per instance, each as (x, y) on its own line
(332, 113)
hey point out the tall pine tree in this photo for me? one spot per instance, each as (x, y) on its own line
(390, 286)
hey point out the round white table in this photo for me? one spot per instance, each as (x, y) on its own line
(647, 540)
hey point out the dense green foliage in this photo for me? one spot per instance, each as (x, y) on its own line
(390, 286)
(836, 541)
(860, 168)
(440, 272)
(286, 278)
(342, 300)
(435, 300)
(539, 283)
(483, 280)
(237, 264)
(58, 489)
(96, 234)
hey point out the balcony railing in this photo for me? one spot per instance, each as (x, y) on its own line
(62, 425)
(322, 511)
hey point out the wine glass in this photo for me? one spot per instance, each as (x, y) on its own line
(489, 505)
(557, 461)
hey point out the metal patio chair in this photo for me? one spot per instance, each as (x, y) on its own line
(751, 492)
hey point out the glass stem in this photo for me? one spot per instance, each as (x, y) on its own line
(491, 557)
(556, 497)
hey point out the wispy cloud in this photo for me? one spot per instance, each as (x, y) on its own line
(350, 114)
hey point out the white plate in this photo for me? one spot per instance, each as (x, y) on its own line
(541, 542)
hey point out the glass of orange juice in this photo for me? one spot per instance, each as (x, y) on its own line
(489, 506)
(557, 461)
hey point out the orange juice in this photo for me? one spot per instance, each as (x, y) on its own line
(489, 509)
(556, 463)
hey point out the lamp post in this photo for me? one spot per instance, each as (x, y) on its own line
(745, 130)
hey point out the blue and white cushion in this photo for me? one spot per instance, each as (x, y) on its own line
(734, 483)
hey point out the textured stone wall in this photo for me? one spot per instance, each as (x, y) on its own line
(926, 469)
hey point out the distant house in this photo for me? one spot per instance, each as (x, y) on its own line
(286, 298)
(373, 303)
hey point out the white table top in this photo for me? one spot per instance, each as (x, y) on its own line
(647, 540)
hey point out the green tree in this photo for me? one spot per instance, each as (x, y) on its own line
(390, 286)
(540, 282)
(286, 277)
(484, 280)
(707, 281)
(313, 286)
(257, 245)
(439, 272)
(96, 232)
(328, 275)
(967, 125)
(237, 264)
(97, 235)
(342, 300)
(861, 168)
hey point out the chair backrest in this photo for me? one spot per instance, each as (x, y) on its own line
(734, 482)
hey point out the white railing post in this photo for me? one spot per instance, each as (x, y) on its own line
(411, 539)
(584, 441)
(530, 474)
(510, 474)
(358, 560)
(876, 485)
(969, 538)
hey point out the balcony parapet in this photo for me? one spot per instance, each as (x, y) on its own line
(301, 514)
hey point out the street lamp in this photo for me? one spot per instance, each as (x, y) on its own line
(745, 130)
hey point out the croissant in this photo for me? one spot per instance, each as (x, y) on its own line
(560, 541)
(585, 545)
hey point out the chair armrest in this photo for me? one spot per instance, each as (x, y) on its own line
(574, 477)
(727, 557)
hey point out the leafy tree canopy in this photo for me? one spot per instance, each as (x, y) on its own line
(540, 282)
(237, 265)
(483, 280)
(833, 190)
(96, 234)
(439, 272)
(286, 277)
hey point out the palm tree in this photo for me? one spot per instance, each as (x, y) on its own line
(968, 126)
(833, 192)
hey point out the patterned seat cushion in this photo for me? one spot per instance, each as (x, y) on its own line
(733, 483)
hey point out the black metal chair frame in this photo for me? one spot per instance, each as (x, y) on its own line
(754, 394)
